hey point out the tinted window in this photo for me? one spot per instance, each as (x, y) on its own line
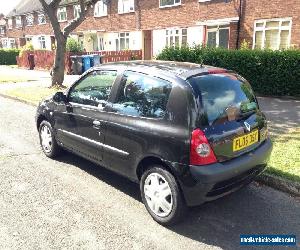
(224, 97)
(143, 95)
(94, 89)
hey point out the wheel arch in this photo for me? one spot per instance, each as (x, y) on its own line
(148, 161)
(40, 119)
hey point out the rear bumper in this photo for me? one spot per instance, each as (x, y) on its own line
(216, 180)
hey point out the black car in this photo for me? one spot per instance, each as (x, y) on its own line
(187, 133)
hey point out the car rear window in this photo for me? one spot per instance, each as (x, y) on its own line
(224, 97)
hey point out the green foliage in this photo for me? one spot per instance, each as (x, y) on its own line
(26, 48)
(8, 56)
(272, 73)
(73, 45)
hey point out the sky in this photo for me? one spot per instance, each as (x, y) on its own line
(7, 5)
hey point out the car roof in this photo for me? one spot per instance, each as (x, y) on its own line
(184, 70)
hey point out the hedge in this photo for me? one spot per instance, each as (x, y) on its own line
(8, 56)
(271, 73)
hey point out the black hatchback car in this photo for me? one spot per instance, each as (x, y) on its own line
(187, 133)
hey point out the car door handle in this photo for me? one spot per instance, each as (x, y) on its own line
(96, 123)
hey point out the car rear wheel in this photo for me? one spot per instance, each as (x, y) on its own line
(161, 196)
(47, 140)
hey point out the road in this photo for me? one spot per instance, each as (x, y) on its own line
(72, 203)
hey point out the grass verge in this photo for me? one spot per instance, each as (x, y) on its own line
(14, 79)
(31, 94)
(285, 158)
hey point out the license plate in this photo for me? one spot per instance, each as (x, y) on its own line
(245, 141)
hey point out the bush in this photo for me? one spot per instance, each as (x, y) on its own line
(73, 45)
(8, 56)
(272, 73)
(26, 48)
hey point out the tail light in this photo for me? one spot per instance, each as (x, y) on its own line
(201, 152)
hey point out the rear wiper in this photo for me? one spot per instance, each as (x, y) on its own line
(246, 114)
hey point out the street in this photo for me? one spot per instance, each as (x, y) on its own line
(72, 203)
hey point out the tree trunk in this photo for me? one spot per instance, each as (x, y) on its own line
(58, 71)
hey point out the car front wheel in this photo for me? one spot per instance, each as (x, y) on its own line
(47, 140)
(161, 196)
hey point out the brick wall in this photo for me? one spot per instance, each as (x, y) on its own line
(265, 9)
(149, 16)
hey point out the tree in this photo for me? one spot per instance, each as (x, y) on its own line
(61, 34)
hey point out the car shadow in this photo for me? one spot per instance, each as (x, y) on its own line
(255, 209)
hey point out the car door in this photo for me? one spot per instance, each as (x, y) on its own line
(86, 102)
(136, 120)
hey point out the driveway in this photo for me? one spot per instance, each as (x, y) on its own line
(72, 203)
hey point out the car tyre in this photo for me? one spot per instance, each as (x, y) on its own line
(165, 209)
(47, 140)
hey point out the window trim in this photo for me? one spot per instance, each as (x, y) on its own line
(119, 39)
(20, 25)
(30, 14)
(103, 13)
(2, 30)
(10, 26)
(169, 5)
(173, 29)
(65, 10)
(41, 14)
(39, 41)
(280, 28)
(75, 7)
(217, 30)
(123, 12)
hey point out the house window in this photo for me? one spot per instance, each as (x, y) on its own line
(62, 14)
(169, 3)
(2, 30)
(125, 6)
(272, 34)
(29, 19)
(176, 37)
(12, 43)
(217, 36)
(100, 9)
(41, 18)
(18, 21)
(4, 43)
(10, 23)
(77, 11)
(122, 42)
(101, 43)
(28, 39)
(42, 42)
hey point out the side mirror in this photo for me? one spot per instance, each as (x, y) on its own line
(60, 97)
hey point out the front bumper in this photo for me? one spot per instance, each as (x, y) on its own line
(219, 179)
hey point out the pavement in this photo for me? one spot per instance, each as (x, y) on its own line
(72, 203)
(37, 77)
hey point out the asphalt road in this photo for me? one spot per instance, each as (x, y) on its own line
(72, 203)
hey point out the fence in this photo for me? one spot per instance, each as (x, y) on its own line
(44, 59)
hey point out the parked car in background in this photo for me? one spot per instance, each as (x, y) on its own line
(187, 133)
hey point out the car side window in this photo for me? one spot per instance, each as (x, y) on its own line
(142, 95)
(94, 89)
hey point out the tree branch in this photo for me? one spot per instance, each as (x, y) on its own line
(52, 15)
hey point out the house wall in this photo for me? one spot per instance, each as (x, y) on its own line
(148, 16)
(266, 9)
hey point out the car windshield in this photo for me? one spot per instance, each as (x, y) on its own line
(224, 97)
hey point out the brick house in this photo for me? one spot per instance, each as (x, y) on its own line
(152, 25)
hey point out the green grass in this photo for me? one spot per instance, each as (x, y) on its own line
(285, 158)
(31, 94)
(14, 79)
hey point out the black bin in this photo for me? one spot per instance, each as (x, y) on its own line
(76, 68)
(31, 61)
